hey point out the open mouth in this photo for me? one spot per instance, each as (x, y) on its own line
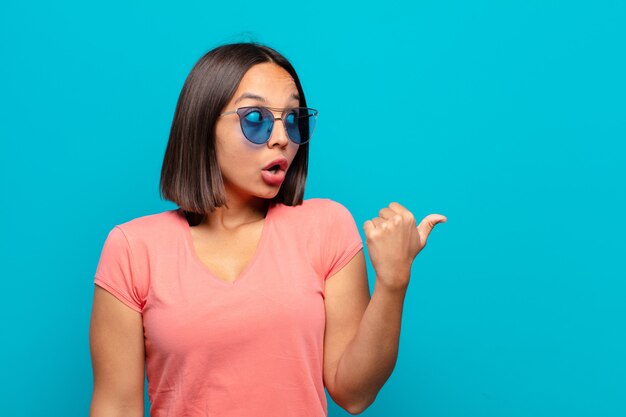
(274, 174)
(274, 169)
(277, 166)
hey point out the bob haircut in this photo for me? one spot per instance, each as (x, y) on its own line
(190, 174)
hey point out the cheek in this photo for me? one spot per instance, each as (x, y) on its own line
(231, 149)
(293, 151)
(236, 160)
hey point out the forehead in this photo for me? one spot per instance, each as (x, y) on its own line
(269, 81)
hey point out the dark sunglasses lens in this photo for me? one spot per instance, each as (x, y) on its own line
(256, 124)
(300, 124)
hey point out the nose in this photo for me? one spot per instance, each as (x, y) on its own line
(279, 134)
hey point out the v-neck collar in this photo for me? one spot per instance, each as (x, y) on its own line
(189, 246)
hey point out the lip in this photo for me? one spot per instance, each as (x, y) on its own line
(281, 162)
(273, 179)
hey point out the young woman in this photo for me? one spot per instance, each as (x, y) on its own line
(247, 300)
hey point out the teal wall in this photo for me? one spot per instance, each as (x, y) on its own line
(507, 117)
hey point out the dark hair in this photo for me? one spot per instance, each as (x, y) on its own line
(190, 175)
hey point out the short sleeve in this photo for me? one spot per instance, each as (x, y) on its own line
(115, 272)
(341, 238)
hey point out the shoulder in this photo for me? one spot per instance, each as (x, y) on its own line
(151, 227)
(316, 206)
(329, 209)
(317, 212)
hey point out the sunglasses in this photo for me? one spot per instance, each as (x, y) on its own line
(257, 123)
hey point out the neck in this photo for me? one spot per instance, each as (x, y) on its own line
(240, 211)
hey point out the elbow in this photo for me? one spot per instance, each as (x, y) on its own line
(354, 409)
(355, 406)
(353, 399)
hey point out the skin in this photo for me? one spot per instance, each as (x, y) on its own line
(362, 334)
(240, 160)
(362, 331)
(227, 239)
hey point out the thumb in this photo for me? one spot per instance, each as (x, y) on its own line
(428, 223)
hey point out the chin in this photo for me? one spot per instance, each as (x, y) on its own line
(269, 194)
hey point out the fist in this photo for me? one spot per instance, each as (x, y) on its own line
(393, 241)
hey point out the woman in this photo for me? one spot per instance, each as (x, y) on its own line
(247, 300)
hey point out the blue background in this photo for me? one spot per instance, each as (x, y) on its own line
(507, 117)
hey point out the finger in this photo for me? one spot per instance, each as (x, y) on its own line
(386, 213)
(398, 208)
(428, 223)
(377, 221)
(368, 226)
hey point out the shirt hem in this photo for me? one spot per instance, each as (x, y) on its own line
(118, 294)
(345, 259)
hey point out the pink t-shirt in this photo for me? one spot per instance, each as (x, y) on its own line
(253, 347)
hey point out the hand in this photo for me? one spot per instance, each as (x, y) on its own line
(393, 242)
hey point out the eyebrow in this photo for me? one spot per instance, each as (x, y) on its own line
(261, 99)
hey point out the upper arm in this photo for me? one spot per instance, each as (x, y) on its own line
(117, 353)
(346, 298)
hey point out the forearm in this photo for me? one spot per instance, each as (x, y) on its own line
(370, 357)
